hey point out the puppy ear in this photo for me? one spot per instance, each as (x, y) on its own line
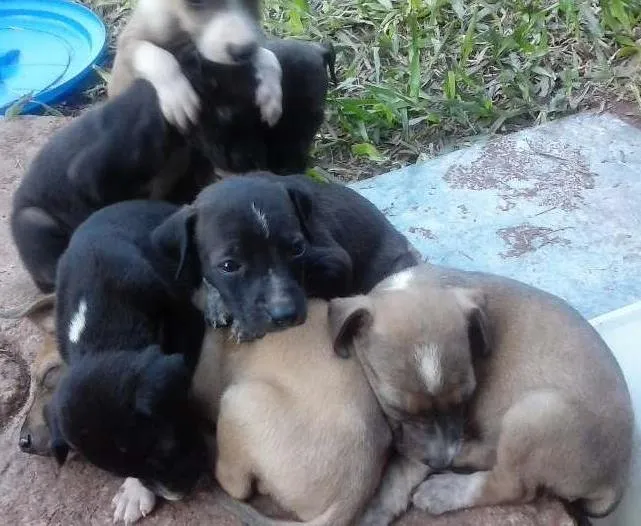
(163, 378)
(349, 318)
(474, 302)
(59, 446)
(300, 197)
(174, 237)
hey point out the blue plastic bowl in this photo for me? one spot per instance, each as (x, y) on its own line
(47, 49)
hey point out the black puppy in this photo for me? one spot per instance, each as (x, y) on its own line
(124, 149)
(240, 141)
(131, 337)
(265, 243)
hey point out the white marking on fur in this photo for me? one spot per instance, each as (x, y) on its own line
(262, 219)
(133, 501)
(230, 28)
(78, 322)
(430, 369)
(400, 281)
(277, 290)
(269, 92)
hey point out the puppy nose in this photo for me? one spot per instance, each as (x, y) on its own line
(25, 443)
(283, 313)
(242, 52)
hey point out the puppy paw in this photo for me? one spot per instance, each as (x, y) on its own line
(448, 492)
(269, 93)
(179, 102)
(375, 517)
(132, 502)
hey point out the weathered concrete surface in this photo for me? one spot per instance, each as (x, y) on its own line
(33, 491)
(557, 206)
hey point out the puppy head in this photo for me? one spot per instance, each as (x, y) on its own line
(417, 341)
(247, 234)
(127, 413)
(225, 31)
(45, 375)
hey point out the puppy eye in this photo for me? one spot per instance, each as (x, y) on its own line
(229, 266)
(297, 248)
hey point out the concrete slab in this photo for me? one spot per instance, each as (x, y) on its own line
(34, 492)
(557, 206)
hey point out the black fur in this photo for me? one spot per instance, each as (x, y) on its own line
(131, 350)
(321, 240)
(114, 151)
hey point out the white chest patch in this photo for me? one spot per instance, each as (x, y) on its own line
(430, 367)
(400, 281)
(262, 219)
(78, 322)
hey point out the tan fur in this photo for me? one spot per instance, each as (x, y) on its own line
(45, 373)
(550, 405)
(295, 419)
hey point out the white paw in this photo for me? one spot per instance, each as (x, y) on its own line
(269, 92)
(179, 102)
(133, 501)
(448, 492)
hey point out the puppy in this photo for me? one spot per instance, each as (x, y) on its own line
(311, 435)
(547, 403)
(230, 132)
(130, 337)
(224, 32)
(265, 243)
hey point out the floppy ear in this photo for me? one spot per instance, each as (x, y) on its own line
(163, 378)
(349, 318)
(478, 330)
(59, 446)
(174, 237)
(300, 197)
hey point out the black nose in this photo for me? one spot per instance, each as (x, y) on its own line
(25, 443)
(283, 313)
(242, 52)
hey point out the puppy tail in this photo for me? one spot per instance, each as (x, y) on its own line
(329, 56)
(251, 517)
(48, 300)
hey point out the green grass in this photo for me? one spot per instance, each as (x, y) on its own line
(417, 76)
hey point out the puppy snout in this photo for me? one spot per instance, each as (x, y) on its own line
(25, 443)
(242, 52)
(283, 313)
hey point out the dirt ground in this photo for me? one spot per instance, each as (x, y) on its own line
(33, 490)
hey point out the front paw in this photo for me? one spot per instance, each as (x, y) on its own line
(269, 93)
(216, 312)
(179, 102)
(447, 492)
(375, 517)
(133, 501)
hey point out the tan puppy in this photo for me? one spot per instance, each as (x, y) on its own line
(46, 370)
(551, 409)
(224, 31)
(295, 419)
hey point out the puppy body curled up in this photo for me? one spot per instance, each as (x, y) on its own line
(310, 435)
(266, 243)
(130, 337)
(546, 402)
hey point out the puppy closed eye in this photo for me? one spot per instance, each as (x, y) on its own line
(297, 248)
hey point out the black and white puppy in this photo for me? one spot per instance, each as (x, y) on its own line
(130, 336)
(266, 243)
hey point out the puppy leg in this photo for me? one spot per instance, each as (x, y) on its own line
(393, 496)
(40, 241)
(133, 501)
(546, 442)
(269, 92)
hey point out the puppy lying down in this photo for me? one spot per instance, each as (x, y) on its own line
(489, 375)
(265, 243)
(310, 433)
